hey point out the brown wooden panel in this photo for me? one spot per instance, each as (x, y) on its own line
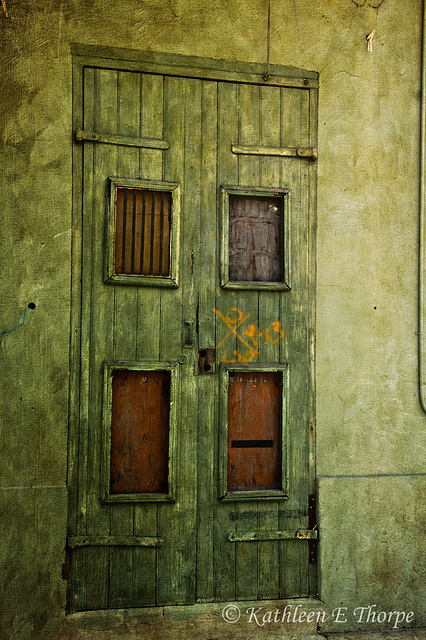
(142, 232)
(255, 238)
(140, 431)
(254, 431)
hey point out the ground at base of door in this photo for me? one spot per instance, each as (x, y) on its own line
(298, 619)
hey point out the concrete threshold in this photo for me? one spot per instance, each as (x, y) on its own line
(213, 621)
(252, 620)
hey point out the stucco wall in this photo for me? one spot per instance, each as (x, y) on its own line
(369, 421)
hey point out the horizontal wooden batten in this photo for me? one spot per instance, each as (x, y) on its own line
(291, 152)
(247, 536)
(114, 541)
(124, 141)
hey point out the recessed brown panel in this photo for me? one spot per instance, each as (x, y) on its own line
(140, 432)
(254, 430)
(142, 232)
(255, 238)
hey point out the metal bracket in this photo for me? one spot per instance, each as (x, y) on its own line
(310, 153)
(206, 360)
(296, 534)
(312, 525)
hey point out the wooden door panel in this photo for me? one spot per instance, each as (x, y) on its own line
(254, 431)
(264, 330)
(140, 415)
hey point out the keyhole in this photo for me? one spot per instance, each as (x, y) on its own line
(206, 359)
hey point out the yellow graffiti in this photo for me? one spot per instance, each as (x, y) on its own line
(250, 332)
(233, 330)
(276, 326)
(246, 357)
(234, 322)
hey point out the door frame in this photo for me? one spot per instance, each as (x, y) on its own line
(190, 67)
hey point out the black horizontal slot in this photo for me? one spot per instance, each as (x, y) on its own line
(246, 444)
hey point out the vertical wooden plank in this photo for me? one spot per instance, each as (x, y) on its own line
(293, 559)
(101, 330)
(102, 324)
(207, 269)
(188, 462)
(289, 515)
(148, 336)
(312, 235)
(176, 560)
(227, 167)
(249, 132)
(127, 111)
(81, 564)
(247, 570)
(249, 174)
(271, 326)
(306, 417)
(305, 345)
(150, 168)
(75, 334)
(90, 594)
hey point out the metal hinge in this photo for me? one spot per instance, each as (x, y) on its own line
(311, 153)
(260, 535)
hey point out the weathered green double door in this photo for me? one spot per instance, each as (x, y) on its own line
(192, 392)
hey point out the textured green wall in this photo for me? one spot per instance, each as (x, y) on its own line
(369, 444)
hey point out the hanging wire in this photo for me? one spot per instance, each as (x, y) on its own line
(30, 306)
(3, 4)
(267, 76)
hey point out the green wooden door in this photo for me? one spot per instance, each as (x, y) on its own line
(192, 407)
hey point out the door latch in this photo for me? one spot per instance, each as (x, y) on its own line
(189, 341)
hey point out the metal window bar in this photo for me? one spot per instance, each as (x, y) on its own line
(133, 232)
(123, 252)
(160, 259)
(151, 257)
(142, 232)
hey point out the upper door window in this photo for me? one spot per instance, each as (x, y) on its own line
(142, 244)
(255, 246)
